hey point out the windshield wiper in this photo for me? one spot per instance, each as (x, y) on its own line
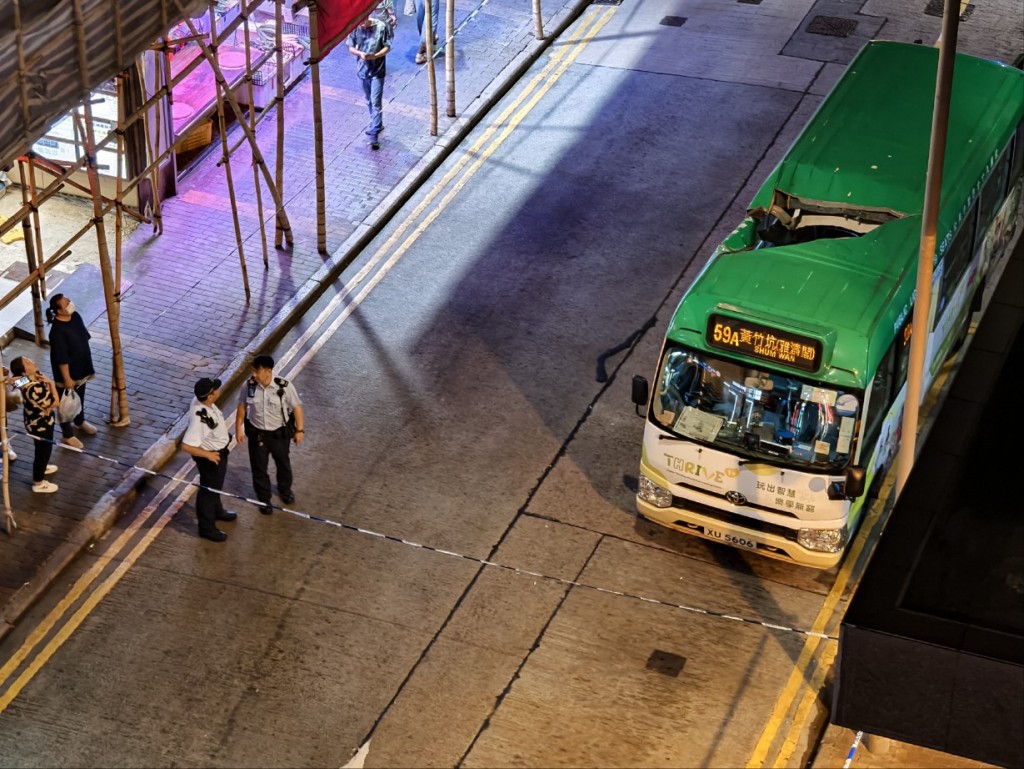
(671, 438)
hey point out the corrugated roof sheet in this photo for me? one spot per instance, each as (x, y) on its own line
(115, 32)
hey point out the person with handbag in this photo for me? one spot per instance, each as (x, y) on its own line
(270, 417)
(38, 404)
(71, 361)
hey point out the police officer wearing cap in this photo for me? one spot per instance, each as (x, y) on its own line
(206, 440)
(270, 417)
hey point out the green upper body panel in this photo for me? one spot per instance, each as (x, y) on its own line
(866, 147)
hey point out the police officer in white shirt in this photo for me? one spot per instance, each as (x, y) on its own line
(270, 417)
(206, 439)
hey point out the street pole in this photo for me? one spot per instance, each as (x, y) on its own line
(926, 256)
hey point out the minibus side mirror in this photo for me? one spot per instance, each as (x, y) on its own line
(852, 488)
(641, 392)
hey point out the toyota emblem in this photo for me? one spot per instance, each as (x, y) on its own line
(736, 498)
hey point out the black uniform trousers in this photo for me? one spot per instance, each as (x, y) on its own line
(209, 503)
(264, 444)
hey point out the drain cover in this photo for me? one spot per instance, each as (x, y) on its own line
(666, 663)
(673, 21)
(749, 2)
(835, 26)
(606, 2)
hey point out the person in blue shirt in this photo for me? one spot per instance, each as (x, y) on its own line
(370, 42)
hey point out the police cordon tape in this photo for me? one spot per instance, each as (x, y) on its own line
(853, 749)
(472, 559)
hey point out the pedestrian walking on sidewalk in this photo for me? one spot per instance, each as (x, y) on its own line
(38, 404)
(370, 42)
(270, 417)
(421, 20)
(385, 13)
(206, 440)
(70, 360)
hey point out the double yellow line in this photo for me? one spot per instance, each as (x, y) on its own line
(82, 584)
(816, 658)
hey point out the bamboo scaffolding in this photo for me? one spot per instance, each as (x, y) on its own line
(257, 155)
(538, 21)
(222, 127)
(111, 294)
(428, 38)
(318, 132)
(63, 173)
(279, 227)
(255, 171)
(31, 243)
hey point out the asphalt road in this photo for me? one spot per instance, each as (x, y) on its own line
(466, 387)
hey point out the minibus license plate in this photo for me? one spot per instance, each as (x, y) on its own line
(730, 539)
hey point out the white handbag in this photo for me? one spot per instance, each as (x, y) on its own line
(70, 406)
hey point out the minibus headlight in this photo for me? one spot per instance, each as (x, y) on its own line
(822, 540)
(651, 492)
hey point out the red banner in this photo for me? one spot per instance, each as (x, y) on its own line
(337, 18)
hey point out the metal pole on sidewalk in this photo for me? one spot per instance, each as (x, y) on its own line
(539, 33)
(926, 256)
(318, 132)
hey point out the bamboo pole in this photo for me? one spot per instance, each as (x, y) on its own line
(26, 113)
(112, 293)
(118, 202)
(279, 227)
(222, 127)
(33, 268)
(538, 22)
(449, 55)
(255, 170)
(152, 134)
(10, 524)
(257, 155)
(428, 26)
(318, 133)
(36, 223)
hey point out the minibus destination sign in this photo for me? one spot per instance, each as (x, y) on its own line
(763, 342)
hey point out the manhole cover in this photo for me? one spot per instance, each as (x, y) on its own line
(834, 26)
(666, 663)
(935, 8)
(673, 21)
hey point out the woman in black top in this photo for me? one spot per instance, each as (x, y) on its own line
(71, 360)
(39, 402)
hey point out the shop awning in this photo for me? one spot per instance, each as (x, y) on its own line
(40, 72)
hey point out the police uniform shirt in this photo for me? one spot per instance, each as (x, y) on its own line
(266, 409)
(200, 432)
